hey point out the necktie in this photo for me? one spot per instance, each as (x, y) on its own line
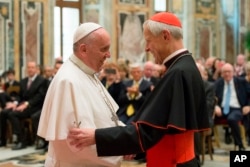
(227, 100)
(130, 109)
(29, 83)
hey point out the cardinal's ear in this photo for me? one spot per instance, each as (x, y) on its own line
(166, 34)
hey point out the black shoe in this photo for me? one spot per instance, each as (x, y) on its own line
(41, 144)
(241, 148)
(140, 158)
(19, 146)
(2, 145)
(228, 139)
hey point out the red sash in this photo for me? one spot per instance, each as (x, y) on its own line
(172, 149)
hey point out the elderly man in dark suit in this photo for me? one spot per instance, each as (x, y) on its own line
(32, 93)
(133, 95)
(232, 97)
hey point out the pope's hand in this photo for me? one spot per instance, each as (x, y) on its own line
(81, 138)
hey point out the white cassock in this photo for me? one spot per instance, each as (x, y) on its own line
(75, 96)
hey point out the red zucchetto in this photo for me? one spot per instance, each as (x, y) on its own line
(167, 18)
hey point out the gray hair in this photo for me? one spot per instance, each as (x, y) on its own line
(136, 65)
(156, 28)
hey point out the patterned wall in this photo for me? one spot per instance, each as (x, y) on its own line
(6, 35)
(31, 28)
(205, 28)
(91, 11)
(23, 34)
(130, 17)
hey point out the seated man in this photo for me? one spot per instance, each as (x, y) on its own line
(32, 93)
(232, 97)
(133, 95)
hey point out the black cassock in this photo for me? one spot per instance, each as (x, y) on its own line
(176, 105)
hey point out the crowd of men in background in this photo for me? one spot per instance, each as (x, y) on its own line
(129, 84)
(22, 100)
(231, 88)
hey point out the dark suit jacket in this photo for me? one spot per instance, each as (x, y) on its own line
(114, 89)
(210, 100)
(240, 85)
(124, 101)
(12, 90)
(35, 94)
(154, 80)
(4, 97)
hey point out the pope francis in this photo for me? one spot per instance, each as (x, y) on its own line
(76, 98)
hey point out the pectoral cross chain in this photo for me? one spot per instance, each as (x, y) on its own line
(115, 119)
(105, 98)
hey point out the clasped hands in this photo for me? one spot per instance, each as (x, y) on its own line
(15, 107)
(133, 90)
(81, 138)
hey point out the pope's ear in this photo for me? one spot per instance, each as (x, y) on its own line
(83, 47)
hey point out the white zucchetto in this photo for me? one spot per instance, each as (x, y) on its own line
(84, 29)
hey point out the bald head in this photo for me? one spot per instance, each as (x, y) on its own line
(227, 67)
(227, 72)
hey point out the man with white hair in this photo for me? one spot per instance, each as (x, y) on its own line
(135, 92)
(76, 98)
(232, 95)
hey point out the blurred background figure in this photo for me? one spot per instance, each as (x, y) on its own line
(12, 86)
(110, 78)
(133, 95)
(57, 65)
(48, 73)
(232, 96)
(246, 109)
(210, 103)
(148, 70)
(158, 70)
(123, 71)
(239, 66)
(213, 66)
